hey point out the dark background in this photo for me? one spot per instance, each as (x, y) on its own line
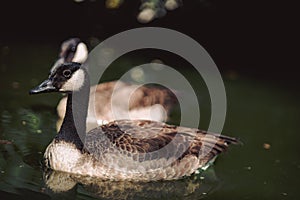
(254, 38)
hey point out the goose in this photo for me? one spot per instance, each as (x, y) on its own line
(133, 150)
(150, 103)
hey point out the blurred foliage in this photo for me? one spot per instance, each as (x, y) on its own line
(149, 9)
(113, 4)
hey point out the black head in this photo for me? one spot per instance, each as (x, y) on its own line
(67, 77)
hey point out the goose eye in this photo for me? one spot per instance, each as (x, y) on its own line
(67, 73)
(73, 49)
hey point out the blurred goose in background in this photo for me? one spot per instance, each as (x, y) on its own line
(135, 150)
(150, 103)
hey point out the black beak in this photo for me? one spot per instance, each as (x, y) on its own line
(45, 86)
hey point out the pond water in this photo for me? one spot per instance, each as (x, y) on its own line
(263, 114)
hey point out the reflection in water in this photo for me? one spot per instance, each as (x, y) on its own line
(194, 187)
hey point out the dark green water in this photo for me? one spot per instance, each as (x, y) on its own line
(258, 112)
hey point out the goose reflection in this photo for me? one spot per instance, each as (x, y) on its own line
(197, 186)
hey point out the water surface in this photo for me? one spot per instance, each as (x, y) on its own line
(263, 114)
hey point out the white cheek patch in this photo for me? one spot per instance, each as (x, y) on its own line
(75, 82)
(81, 53)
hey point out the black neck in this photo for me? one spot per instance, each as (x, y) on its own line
(73, 128)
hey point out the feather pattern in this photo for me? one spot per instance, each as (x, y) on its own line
(142, 150)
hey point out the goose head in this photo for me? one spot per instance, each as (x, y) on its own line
(71, 50)
(65, 78)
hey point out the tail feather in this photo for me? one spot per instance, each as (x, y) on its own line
(214, 144)
(230, 140)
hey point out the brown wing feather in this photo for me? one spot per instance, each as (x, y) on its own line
(143, 136)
